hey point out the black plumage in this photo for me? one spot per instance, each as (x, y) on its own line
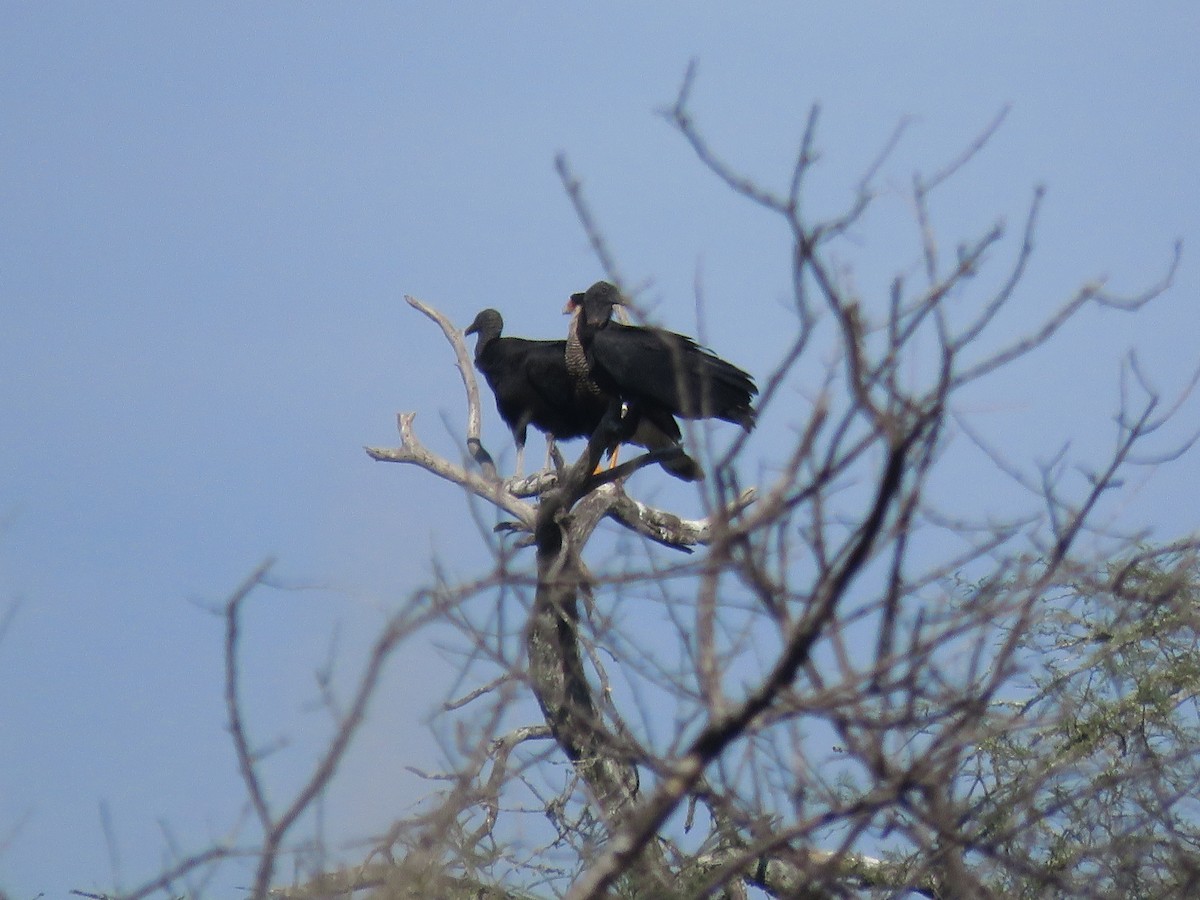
(532, 386)
(654, 371)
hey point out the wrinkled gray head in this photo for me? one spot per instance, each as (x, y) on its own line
(597, 302)
(488, 324)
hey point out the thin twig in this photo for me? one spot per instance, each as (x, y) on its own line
(233, 709)
(574, 191)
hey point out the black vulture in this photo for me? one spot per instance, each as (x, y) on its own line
(655, 372)
(533, 387)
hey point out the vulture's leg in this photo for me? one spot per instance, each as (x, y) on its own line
(520, 460)
(613, 428)
(630, 419)
(627, 420)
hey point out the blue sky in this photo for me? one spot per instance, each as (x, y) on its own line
(209, 214)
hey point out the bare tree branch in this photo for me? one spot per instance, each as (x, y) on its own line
(465, 368)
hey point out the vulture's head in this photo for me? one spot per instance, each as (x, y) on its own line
(596, 302)
(488, 325)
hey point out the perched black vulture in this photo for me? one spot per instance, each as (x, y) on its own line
(531, 384)
(533, 387)
(655, 372)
